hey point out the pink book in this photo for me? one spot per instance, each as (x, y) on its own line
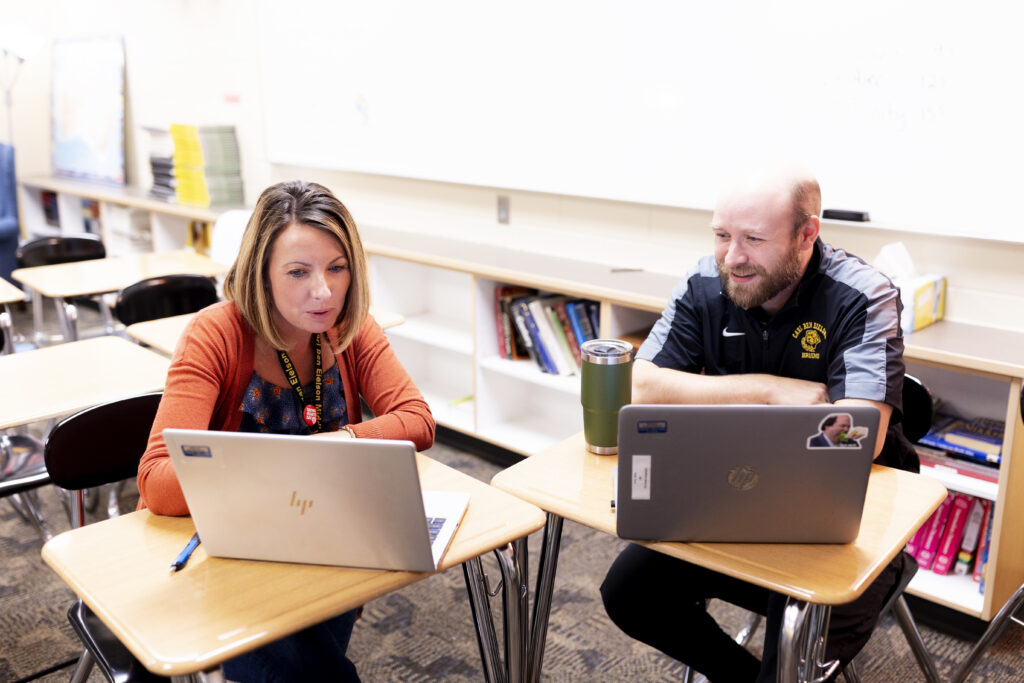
(945, 556)
(914, 544)
(933, 533)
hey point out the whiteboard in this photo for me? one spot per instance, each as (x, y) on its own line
(909, 111)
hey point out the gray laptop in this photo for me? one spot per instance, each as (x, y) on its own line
(744, 473)
(345, 502)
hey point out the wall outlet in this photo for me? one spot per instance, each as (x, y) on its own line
(503, 209)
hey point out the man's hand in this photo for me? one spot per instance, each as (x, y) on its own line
(652, 384)
(793, 392)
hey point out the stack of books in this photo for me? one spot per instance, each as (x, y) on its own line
(161, 162)
(548, 329)
(956, 537)
(978, 439)
(207, 168)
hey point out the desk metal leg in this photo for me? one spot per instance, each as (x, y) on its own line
(483, 621)
(802, 643)
(67, 314)
(542, 597)
(514, 564)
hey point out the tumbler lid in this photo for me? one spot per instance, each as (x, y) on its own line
(606, 351)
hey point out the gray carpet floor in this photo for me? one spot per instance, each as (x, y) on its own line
(424, 632)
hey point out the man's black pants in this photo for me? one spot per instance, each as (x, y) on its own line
(660, 600)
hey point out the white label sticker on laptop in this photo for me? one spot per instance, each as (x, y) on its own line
(641, 489)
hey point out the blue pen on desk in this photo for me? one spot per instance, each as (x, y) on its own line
(186, 552)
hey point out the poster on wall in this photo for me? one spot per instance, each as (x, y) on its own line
(88, 109)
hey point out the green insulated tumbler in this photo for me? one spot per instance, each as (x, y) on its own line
(607, 376)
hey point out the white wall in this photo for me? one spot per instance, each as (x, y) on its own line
(196, 61)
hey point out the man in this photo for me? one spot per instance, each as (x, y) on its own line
(776, 316)
(833, 427)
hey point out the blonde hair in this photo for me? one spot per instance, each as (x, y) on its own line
(247, 283)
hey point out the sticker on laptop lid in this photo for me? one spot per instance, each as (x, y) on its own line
(640, 479)
(837, 431)
(196, 451)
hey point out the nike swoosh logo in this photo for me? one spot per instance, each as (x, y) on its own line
(727, 333)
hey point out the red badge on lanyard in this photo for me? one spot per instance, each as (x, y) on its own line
(309, 415)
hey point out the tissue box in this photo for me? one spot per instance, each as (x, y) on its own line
(924, 300)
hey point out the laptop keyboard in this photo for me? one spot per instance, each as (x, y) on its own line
(434, 525)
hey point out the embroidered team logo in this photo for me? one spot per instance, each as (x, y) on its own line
(810, 336)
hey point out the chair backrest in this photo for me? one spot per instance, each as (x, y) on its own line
(918, 408)
(102, 444)
(162, 297)
(47, 251)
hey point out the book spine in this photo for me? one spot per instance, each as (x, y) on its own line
(519, 312)
(935, 524)
(502, 325)
(594, 313)
(914, 544)
(986, 519)
(546, 337)
(969, 544)
(535, 335)
(984, 538)
(570, 336)
(945, 556)
(562, 344)
(589, 331)
(574, 322)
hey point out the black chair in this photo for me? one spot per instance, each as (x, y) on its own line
(163, 297)
(46, 251)
(77, 460)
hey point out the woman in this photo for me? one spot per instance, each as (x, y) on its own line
(297, 301)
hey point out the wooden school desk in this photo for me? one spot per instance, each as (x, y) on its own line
(8, 295)
(59, 380)
(100, 276)
(163, 334)
(215, 609)
(569, 482)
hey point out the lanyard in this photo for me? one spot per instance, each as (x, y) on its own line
(311, 413)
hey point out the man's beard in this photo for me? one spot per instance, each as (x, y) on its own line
(767, 285)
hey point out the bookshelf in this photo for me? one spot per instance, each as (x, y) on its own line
(976, 370)
(130, 219)
(445, 290)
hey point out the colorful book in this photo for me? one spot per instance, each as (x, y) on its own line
(933, 533)
(984, 538)
(594, 314)
(980, 438)
(945, 556)
(559, 307)
(546, 336)
(969, 544)
(935, 459)
(914, 544)
(509, 343)
(528, 328)
(577, 312)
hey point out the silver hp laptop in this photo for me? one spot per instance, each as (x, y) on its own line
(744, 473)
(345, 502)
